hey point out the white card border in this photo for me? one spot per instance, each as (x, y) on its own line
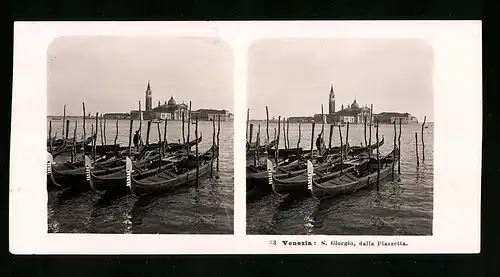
(457, 158)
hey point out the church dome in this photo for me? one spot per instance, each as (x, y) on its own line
(354, 105)
(171, 102)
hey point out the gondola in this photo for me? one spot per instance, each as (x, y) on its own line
(283, 153)
(352, 181)
(323, 172)
(117, 180)
(259, 173)
(58, 150)
(68, 174)
(174, 146)
(252, 147)
(171, 178)
(356, 150)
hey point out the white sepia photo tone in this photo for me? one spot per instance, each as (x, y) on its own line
(214, 137)
(360, 112)
(135, 126)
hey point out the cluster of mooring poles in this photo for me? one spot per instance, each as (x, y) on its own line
(283, 126)
(423, 144)
(100, 126)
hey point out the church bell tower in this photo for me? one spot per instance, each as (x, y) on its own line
(149, 98)
(331, 101)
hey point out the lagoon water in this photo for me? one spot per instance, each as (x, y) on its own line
(185, 210)
(403, 207)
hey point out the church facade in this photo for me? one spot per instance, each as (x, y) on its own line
(169, 110)
(356, 114)
(353, 113)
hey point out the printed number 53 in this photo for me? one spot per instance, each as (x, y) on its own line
(273, 242)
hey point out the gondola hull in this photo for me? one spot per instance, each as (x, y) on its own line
(298, 184)
(167, 180)
(139, 187)
(118, 180)
(351, 182)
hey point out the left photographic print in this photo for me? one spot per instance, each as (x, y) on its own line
(140, 135)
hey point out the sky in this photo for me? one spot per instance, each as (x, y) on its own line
(110, 74)
(293, 76)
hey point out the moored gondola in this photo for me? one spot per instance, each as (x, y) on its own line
(170, 178)
(352, 181)
(117, 180)
(323, 172)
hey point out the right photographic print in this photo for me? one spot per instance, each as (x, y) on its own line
(339, 137)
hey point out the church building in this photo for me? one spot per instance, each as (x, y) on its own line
(169, 110)
(353, 113)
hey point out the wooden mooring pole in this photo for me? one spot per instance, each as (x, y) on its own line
(366, 142)
(104, 128)
(298, 141)
(248, 122)
(196, 151)
(67, 129)
(84, 129)
(416, 147)
(189, 125)
(284, 133)
(94, 142)
(50, 136)
(140, 121)
(159, 145)
(130, 139)
(378, 160)
(322, 122)
(116, 136)
(399, 149)
(277, 145)
(96, 128)
(147, 134)
(183, 131)
(165, 143)
(251, 134)
(330, 137)
(267, 124)
(213, 149)
(347, 140)
(288, 132)
(73, 151)
(250, 142)
(370, 132)
(218, 145)
(422, 138)
(64, 120)
(341, 152)
(257, 147)
(100, 127)
(395, 150)
(312, 140)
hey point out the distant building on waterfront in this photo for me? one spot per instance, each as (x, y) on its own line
(391, 117)
(172, 111)
(301, 119)
(355, 114)
(116, 116)
(210, 114)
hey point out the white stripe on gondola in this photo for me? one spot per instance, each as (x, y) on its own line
(270, 171)
(310, 170)
(87, 168)
(128, 171)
